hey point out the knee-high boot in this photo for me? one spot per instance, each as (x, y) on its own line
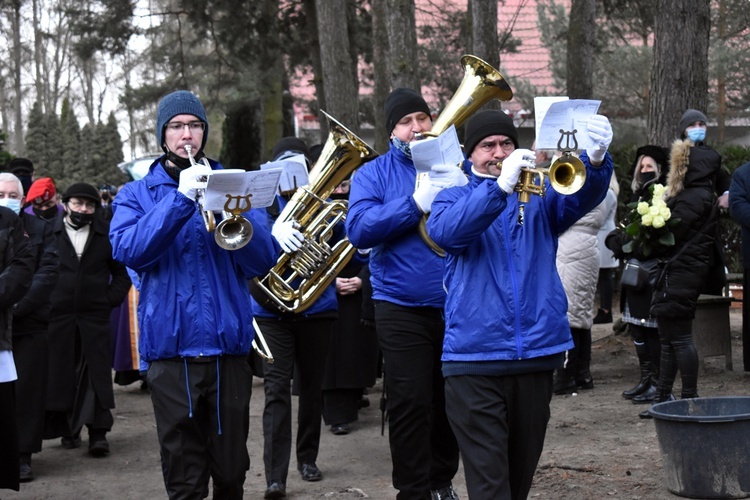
(647, 371)
(583, 377)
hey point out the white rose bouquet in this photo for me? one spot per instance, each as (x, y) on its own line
(648, 223)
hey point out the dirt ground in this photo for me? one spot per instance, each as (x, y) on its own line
(596, 445)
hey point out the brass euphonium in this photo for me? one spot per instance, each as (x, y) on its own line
(481, 84)
(299, 278)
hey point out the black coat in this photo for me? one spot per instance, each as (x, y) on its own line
(81, 304)
(16, 270)
(691, 200)
(31, 313)
(739, 207)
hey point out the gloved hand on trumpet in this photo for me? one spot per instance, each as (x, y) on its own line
(600, 132)
(193, 179)
(438, 178)
(288, 235)
(512, 166)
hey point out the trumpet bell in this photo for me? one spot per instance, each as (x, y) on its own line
(233, 233)
(567, 174)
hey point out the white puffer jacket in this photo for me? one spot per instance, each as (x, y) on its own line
(578, 265)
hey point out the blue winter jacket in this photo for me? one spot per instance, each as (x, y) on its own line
(383, 216)
(505, 299)
(194, 297)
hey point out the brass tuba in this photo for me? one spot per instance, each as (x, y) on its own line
(481, 84)
(299, 278)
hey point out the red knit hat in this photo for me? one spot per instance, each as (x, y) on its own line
(41, 190)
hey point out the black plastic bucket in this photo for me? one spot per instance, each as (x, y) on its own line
(705, 446)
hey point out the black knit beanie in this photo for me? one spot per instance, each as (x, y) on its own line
(293, 145)
(688, 118)
(81, 190)
(181, 102)
(401, 102)
(486, 123)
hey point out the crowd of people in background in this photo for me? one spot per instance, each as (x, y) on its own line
(79, 262)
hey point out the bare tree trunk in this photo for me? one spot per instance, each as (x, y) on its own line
(312, 28)
(402, 36)
(41, 95)
(271, 89)
(16, 51)
(580, 59)
(484, 38)
(380, 70)
(721, 82)
(338, 80)
(679, 79)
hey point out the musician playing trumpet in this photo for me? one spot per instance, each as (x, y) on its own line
(384, 214)
(194, 313)
(505, 313)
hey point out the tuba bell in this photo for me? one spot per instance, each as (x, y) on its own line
(481, 84)
(299, 278)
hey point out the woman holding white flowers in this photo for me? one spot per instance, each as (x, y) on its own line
(691, 199)
(650, 168)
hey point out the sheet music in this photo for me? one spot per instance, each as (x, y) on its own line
(262, 185)
(441, 150)
(567, 115)
(294, 172)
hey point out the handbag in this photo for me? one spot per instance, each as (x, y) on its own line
(638, 274)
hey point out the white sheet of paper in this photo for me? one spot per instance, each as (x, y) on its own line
(541, 105)
(566, 115)
(262, 185)
(441, 150)
(294, 172)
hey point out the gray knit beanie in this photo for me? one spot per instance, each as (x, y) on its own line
(181, 102)
(688, 118)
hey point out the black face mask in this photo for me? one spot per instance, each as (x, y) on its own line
(48, 213)
(339, 196)
(78, 219)
(647, 177)
(183, 163)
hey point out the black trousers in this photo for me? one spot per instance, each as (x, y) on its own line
(424, 451)
(500, 424)
(202, 412)
(746, 322)
(30, 353)
(304, 342)
(9, 464)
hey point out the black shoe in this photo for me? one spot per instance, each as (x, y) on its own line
(446, 493)
(642, 386)
(646, 414)
(646, 396)
(275, 489)
(584, 381)
(98, 445)
(563, 383)
(340, 429)
(364, 402)
(71, 442)
(310, 472)
(25, 467)
(603, 317)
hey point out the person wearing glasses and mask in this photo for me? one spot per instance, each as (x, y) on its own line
(196, 340)
(498, 360)
(385, 210)
(90, 284)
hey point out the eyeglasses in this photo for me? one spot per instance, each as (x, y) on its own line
(81, 204)
(489, 146)
(177, 127)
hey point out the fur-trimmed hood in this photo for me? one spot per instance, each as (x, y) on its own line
(691, 166)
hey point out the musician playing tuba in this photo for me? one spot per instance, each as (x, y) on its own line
(406, 276)
(194, 311)
(506, 324)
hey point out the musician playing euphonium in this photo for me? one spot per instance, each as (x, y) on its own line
(384, 214)
(194, 312)
(506, 324)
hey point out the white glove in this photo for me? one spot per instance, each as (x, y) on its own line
(288, 235)
(192, 179)
(445, 176)
(600, 132)
(425, 194)
(511, 169)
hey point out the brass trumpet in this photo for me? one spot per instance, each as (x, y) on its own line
(481, 84)
(234, 231)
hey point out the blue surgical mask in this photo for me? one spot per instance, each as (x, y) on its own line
(11, 203)
(696, 134)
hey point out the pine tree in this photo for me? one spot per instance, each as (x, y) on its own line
(36, 141)
(70, 131)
